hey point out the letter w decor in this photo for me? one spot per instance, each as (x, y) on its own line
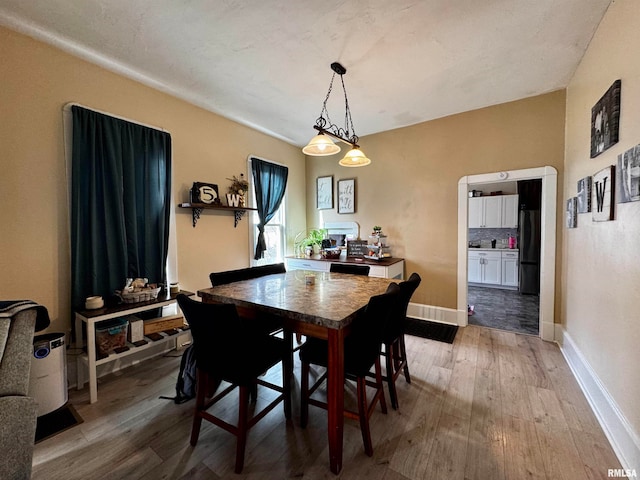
(603, 191)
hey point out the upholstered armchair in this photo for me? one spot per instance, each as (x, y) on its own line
(18, 412)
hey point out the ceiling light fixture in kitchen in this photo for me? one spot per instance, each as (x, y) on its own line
(322, 144)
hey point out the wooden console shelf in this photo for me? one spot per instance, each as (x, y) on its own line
(90, 318)
(196, 210)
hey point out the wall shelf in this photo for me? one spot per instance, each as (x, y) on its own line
(196, 211)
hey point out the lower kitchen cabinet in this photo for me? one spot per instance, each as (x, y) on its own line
(493, 267)
(485, 267)
(510, 269)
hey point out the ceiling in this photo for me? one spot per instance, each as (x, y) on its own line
(266, 63)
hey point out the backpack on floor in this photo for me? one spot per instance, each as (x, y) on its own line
(186, 384)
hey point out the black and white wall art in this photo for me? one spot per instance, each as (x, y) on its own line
(605, 120)
(324, 192)
(602, 197)
(628, 175)
(572, 213)
(347, 195)
(584, 195)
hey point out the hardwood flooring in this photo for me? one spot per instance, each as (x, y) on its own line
(492, 405)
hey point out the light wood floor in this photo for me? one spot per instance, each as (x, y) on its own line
(494, 405)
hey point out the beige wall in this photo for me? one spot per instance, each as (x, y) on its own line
(411, 186)
(36, 81)
(601, 260)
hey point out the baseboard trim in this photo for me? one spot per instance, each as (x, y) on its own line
(624, 441)
(434, 314)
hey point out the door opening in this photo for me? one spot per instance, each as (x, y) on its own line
(548, 176)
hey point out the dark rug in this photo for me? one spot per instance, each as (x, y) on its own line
(441, 332)
(57, 421)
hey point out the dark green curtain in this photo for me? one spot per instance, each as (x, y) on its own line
(120, 204)
(270, 182)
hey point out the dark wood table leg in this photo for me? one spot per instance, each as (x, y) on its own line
(288, 372)
(335, 394)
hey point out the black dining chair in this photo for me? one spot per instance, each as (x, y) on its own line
(227, 351)
(395, 352)
(348, 268)
(361, 353)
(230, 276)
(266, 323)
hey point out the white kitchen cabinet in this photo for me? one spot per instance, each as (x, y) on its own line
(485, 212)
(510, 269)
(485, 267)
(509, 218)
(476, 212)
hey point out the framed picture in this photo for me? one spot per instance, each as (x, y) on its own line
(205, 193)
(347, 195)
(572, 212)
(628, 175)
(324, 192)
(584, 195)
(605, 120)
(602, 196)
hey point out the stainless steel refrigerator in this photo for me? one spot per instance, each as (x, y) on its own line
(529, 251)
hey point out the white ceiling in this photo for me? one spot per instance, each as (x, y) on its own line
(266, 63)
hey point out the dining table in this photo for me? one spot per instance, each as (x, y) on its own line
(314, 304)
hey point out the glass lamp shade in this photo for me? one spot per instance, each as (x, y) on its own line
(321, 145)
(355, 158)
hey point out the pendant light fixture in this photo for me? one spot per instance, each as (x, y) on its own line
(323, 144)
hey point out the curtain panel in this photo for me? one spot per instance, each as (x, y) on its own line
(270, 182)
(120, 204)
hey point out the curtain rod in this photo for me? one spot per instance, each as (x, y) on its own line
(67, 109)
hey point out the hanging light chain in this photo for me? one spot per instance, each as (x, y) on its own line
(324, 123)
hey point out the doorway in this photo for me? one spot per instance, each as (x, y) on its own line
(504, 256)
(548, 175)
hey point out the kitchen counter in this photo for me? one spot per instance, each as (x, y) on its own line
(492, 249)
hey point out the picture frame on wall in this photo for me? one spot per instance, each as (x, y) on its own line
(572, 213)
(605, 120)
(324, 192)
(602, 196)
(347, 195)
(628, 175)
(584, 195)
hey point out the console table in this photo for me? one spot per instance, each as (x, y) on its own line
(383, 268)
(91, 317)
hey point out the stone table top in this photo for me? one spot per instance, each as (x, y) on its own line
(332, 302)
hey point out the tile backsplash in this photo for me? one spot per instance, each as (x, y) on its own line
(483, 236)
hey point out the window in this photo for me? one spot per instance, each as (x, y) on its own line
(274, 230)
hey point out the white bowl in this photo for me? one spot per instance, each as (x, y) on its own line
(91, 303)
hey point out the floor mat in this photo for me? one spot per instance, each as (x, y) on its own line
(57, 421)
(441, 332)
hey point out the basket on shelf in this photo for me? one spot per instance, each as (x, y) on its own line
(143, 295)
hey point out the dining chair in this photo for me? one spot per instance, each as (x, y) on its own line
(230, 276)
(348, 268)
(361, 353)
(267, 323)
(395, 352)
(220, 356)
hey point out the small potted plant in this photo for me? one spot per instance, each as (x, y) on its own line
(311, 243)
(377, 231)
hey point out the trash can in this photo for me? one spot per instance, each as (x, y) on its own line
(48, 379)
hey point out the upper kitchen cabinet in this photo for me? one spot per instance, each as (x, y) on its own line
(509, 211)
(496, 211)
